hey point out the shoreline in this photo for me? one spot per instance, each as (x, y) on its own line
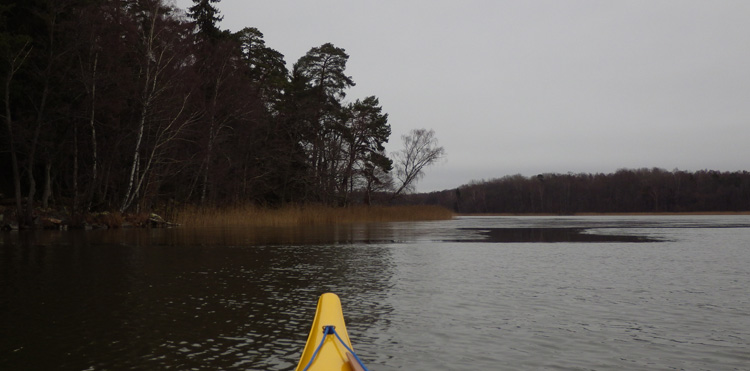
(673, 213)
(287, 216)
(307, 215)
(242, 215)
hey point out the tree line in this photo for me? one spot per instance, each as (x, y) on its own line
(625, 191)
(128, 104)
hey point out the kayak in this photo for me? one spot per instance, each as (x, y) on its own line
(328, 346)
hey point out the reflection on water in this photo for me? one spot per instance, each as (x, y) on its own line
(157, 299)
(237, 236)
(420, 296)
(547, 235)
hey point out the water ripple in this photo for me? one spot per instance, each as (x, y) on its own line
(167, 301)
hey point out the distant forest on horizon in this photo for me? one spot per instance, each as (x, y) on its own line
(624, 191)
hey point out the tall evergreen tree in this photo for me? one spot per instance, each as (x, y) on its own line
(206, 17)
(266, 66)
(324, 66)
(320, 73)
(365, 131)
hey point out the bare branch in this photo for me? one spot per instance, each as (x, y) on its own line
(420, 151)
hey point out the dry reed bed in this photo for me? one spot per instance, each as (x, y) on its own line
(305, 215)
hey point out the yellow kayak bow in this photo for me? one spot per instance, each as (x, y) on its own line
(328, 346)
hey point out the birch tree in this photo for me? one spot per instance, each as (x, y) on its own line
(162, 105)
(15, 51)
(421, 150)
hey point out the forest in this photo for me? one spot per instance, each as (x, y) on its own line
(129, 105)
(136, 105)
(624, 191)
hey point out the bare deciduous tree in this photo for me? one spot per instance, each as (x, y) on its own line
(14, 58)
(158, 123)
(420, 150)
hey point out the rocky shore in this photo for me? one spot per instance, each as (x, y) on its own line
(52, 219)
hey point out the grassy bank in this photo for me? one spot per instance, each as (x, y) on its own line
(305, 215)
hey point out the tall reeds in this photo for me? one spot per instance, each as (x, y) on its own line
(305, 215)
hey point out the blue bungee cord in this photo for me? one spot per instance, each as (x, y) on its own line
(327, 330)
(333, 329)
(315, 354)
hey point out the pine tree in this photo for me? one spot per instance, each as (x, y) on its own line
(207, 17)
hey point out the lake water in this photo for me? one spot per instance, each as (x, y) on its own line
(474, 293)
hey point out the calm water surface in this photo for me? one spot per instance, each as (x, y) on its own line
(558, 293)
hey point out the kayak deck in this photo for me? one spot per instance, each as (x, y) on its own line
(328, 346)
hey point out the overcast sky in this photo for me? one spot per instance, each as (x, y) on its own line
(530, 87)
